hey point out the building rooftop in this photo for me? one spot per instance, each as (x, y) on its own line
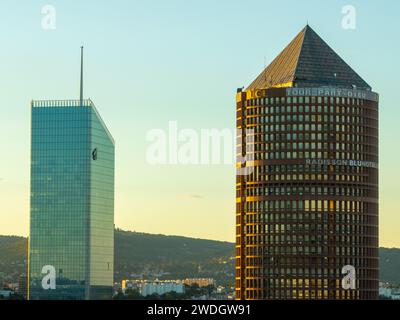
(61, 103)
(308, 61)
(74, 104)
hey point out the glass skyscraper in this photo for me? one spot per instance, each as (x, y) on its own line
(72, 201)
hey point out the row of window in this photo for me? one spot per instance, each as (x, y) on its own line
(306, 168)
(251, 110)
(305, 205)
(333, 148)
(306, 99)
(306, 111)
(316, 274)
(247, 176)
(299, 190)
(264, 264)
(271, 218)
(293, 137)
(314, 119)
(369, 240)
(279, 233)
(251, 294)
(338, 132)
(271, 152)
(296, 234)
(295, 249)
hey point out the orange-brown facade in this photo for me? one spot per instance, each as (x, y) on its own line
(307, 196)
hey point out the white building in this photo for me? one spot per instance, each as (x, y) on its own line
(147, 287)
(391, 293)
(161, 287)
(5, 293)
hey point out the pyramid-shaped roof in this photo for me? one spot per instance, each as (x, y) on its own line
(308, 61)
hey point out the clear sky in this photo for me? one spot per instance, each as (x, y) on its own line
(150, 62)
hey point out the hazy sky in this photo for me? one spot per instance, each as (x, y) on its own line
(150, 62)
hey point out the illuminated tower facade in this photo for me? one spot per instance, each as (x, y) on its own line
(307, 192)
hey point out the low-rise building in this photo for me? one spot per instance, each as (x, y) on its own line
(149, 287)
(161, 287)
(201, 282)
(389, 291)
(23, 285)
(5, 293)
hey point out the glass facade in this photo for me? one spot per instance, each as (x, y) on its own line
(72, 201)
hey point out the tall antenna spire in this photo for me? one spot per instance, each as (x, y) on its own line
(81, 91)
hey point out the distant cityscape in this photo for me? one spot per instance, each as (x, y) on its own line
(185, 289)
(191, 288)
(210, 262)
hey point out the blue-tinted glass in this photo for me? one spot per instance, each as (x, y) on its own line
(72, 202)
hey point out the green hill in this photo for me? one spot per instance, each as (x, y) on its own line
(12, 249)
(172, 257)
(165, 257)
(168, 257)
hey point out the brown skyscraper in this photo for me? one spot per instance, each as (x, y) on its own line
(307, 193)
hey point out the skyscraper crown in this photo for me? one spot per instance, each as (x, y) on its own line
(308, 61)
